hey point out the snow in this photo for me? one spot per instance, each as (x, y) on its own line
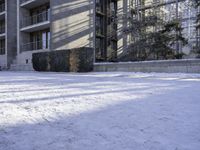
(99, 111)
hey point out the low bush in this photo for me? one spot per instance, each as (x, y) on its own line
(73, 60)
(40, 61)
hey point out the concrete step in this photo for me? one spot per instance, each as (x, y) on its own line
(21, 67)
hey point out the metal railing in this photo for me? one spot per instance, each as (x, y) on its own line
(2, 51)
(2, 29)
(38, 45)
(35, 19)
(23, 1)
(2, 7)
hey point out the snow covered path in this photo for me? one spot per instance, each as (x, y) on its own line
(99, 111)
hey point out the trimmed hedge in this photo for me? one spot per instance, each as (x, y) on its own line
(59, 61)
(40, 61)
(81, 60)
(73, 60)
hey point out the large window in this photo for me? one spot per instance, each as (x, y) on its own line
(2, 27)
(40, 39)
(2, 5)
(2, 47)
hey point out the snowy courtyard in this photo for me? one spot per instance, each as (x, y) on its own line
(99, 111)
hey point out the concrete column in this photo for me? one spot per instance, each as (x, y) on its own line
(11, 31)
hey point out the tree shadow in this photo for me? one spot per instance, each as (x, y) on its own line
(118, 112)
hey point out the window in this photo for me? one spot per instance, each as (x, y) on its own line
(2, 27)
(2, 47)
(40, 40)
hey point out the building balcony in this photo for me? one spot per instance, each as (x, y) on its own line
(36, 22)
(32, 3)
(32, 46)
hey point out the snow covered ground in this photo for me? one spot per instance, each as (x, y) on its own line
(99, 111)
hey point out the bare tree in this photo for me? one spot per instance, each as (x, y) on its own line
(152, 37)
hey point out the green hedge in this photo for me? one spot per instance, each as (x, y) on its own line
(73, 60)
(59, 61)
(40, 61)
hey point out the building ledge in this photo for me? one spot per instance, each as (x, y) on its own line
(36, 27)
(2, 15)
(35, 51)
(33, 3)
(2, 36)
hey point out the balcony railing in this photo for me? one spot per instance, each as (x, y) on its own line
(38, 45)
(2, 7)
(2, 29)
(23, 1)
(2, 51)
(35, 19)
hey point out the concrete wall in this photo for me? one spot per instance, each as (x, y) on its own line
(168, 66)
(27, 56)
(11, 31)
(72, 24)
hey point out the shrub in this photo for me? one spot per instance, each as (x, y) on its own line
(59, 61)
(74, 60)
(81, 60)
(40, 61)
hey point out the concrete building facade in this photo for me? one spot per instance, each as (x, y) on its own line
(50, 25)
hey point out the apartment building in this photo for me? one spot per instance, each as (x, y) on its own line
(8, 32)
(49, 25)
(31, 26)
(52, 25)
